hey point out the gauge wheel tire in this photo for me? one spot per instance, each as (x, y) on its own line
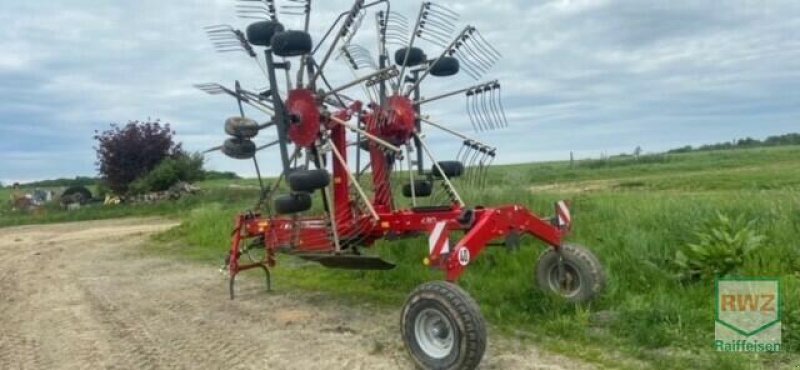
(291, 43)
(451, 169)
(241, 127)
(415, 56)
(584, 278)
(422, 188)
(260, 33)
(239, 148)
(308, 180)
(445, 67)
(443, 328)
(292, 203)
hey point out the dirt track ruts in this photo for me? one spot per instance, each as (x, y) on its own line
(85, 295)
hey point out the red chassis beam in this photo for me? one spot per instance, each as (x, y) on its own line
(481, 227)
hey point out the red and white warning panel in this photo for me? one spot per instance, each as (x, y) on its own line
(439, 240)
(563, 217)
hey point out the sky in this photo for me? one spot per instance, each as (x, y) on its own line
(593, 77)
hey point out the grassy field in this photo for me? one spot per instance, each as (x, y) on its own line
(634, 214)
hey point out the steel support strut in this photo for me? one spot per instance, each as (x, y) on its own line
(492, 224)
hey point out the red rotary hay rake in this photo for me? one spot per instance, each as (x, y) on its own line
(441, 325)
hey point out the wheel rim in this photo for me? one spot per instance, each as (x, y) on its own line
(434, 333)
(570, 285)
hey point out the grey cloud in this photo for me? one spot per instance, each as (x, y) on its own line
(588, 76)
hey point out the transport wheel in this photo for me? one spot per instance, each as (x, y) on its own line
(442, 327)
(582, 280)
(451, 169)
(415, 56)
(422, 188)
(292, 203)
(308, 180)
(446, 66)
(291, 43)
(239, 148)
(241, 127)
(260, 33)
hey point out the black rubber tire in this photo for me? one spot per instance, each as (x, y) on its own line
(260, 33)
(239, 148)
(291, 43)
(292, 203)
(452, 169)
(464, 317)
(422, 188)
(579, 263)
(308, 180)
(241, 127)
(445, 67)
(415, 57)
(80, 194)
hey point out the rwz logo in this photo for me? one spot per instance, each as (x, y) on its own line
(748, 315)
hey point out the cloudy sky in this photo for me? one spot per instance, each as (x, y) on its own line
(588, 76)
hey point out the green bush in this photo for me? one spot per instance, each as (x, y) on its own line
(722, 246)
(169, 171)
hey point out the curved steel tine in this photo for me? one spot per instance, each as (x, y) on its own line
(488, 45)
(436, 24)
(473, 158)
(493, 106)
(433, 41)
(461, 149)
(484, 67)
(491, 160)
(467, 63)
(484, 112)
(468, 70)
(484, 52)
(449, 11)
(475, 102)
(479, 107)
(500, 104)
(469, 113)
(470, 104)
(443, 37)
(481, 54)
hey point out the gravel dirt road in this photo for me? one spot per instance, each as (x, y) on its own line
(85, 295)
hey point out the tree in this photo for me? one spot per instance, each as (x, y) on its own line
(182, 167)
(132, 151)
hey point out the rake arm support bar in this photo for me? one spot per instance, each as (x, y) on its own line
(456, 133)
(496, 223)
(372, 137)
(385, 73)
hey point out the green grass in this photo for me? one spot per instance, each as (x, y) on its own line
(633, 214)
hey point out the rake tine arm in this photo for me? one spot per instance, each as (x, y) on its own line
(214, 149)
(451, 93)
(267, 145)
(422, 7)
(472, 141)
(343, 31)
(358, 81)
(428, 70)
